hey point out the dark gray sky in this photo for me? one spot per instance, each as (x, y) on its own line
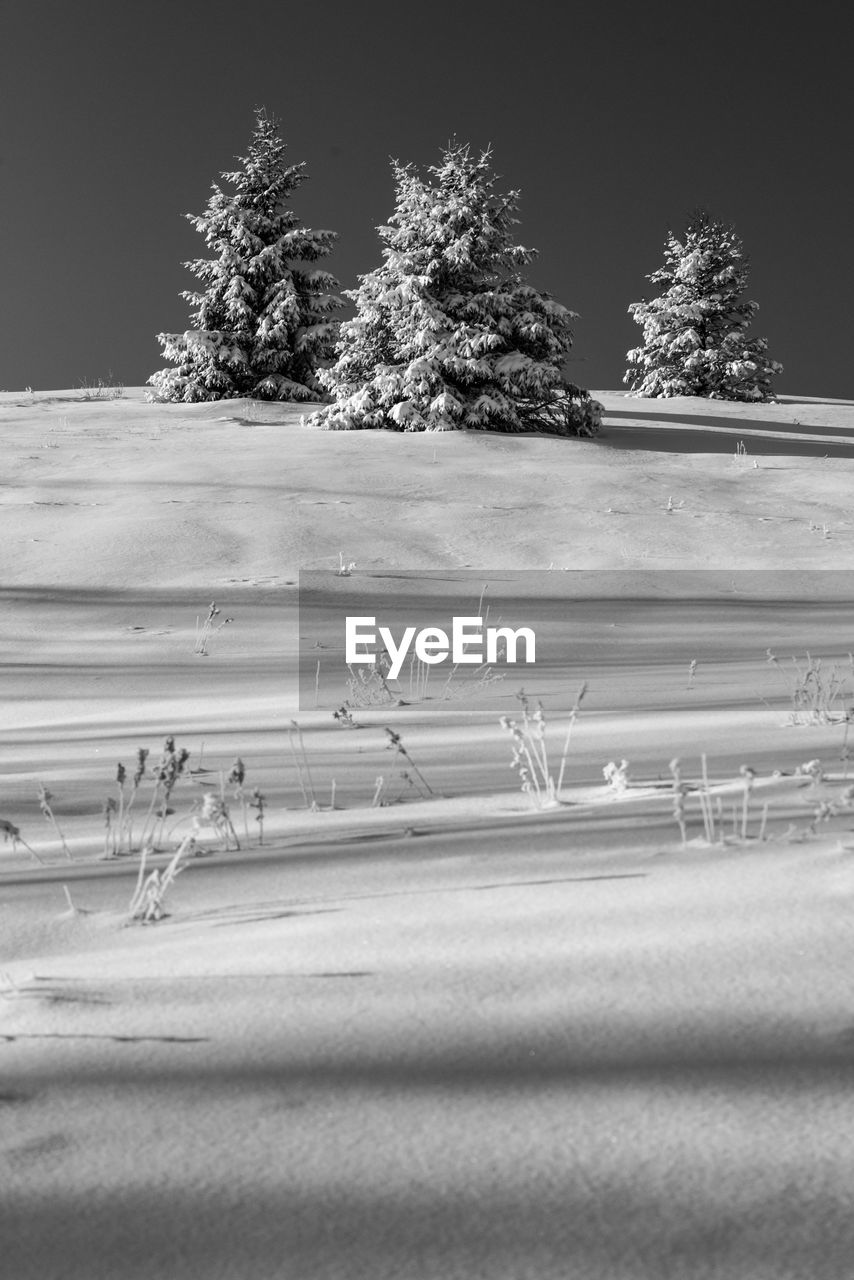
(615, 120)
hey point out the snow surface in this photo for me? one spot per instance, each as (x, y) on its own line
(457, 1036)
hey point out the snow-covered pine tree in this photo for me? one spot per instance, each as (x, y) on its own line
(694, 332)
(263, 321)
(447, 332)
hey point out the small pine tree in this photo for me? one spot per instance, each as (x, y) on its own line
(263, 322)
(447, 332)
(694, 331)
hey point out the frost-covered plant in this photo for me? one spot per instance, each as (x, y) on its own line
(482, 680)
(168, 771)
(344, 717)
(12, 834)
(236, 779)
(530, 755)
(45, 798)
(215, 814)
(694, 333)
(258, 803)
(117, 815)
(448, 333)
(824, 808)
(368, 687)
(102, 389)
(419, 679)
(845, 750)
(379, 786)
(749, 776)
(708, 810)
(111, 829)
(617, 776)
(147, 903)
(711, 807)
(679, 790)
(704, 796)
(812, 769)
(263, 317)
(741, 458)
(126, 804)
(416, 779)
(206, 628)
(817, 694)
(530, 750)
(296, 742)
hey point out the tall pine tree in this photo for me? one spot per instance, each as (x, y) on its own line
(695, 341)
(448, 333)
(263, 320)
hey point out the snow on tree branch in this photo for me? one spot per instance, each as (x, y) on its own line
(694, 332)
(261, 325)
(447, 332)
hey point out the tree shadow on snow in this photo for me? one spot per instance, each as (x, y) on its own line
(689, 434)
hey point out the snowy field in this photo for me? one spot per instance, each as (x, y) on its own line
(456, 1035)
(125, 494)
